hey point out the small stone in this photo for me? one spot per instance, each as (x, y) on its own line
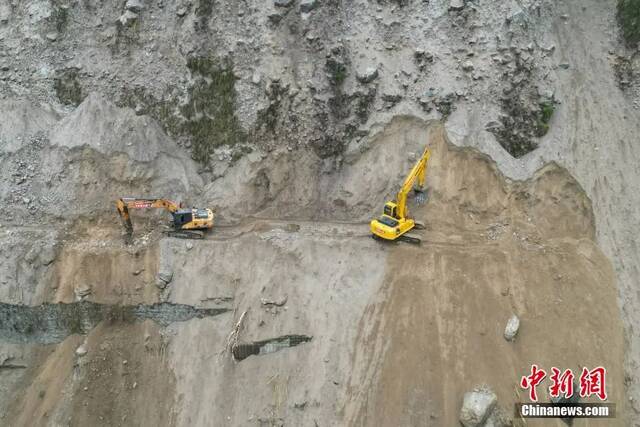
(189, 245)
(511, 330)
(181, 11)
(477, 406)
(165, 276)
(48, 255)
(82, 291)
(282, 3)
(81, 351)
(368, 75)
(456, 5)
(307, 6)
(275, 17)
(468, 66)
(52, 36)
(128, 18)
(391, 96)
(564, 65)
(255, 79)
(134, 5)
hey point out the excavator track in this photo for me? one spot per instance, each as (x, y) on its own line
(186, 234)
(410, 238)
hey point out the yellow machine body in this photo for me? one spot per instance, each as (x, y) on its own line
(395, 222)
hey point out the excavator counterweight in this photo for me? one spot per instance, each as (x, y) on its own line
(394, 224)
(186, 224)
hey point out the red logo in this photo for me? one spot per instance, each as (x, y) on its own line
(531, 382)
(592, 382)
(141, 205)
(561, 383)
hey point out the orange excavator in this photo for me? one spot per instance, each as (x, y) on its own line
(188, 223)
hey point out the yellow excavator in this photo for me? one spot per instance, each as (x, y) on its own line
(394, 224)
(187, 223)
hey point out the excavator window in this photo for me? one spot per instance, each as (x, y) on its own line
(389, 222)
(182, 217)
(202, 214)
(390, 210)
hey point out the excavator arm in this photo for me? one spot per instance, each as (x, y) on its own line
(418, 172)
(126, 203)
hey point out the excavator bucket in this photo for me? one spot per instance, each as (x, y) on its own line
(421, 196)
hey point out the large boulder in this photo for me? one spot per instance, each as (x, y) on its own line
(511, 330)
(477, 406)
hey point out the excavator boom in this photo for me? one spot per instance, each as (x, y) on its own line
(418, 172)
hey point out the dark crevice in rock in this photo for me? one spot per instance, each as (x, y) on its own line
(52, 323)
(242, 351)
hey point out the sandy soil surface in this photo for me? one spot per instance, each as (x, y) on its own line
(397, 333)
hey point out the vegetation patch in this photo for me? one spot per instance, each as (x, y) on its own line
(164, 111)
(60, 17)
(203, 12)
(268, 118)
(629, 19)
(544, 117)
(364, 101)
(523, 123)
(336, 71)
(207, 120)
(67, 86)
(210, 118)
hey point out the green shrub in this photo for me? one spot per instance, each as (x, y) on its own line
(210, 112)
(629, 18)
(544, 117)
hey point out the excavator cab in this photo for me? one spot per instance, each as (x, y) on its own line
(391, 209)
(182, 217)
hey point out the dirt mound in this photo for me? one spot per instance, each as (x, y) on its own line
(121, 380)
(91, 157)
(493, 248)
